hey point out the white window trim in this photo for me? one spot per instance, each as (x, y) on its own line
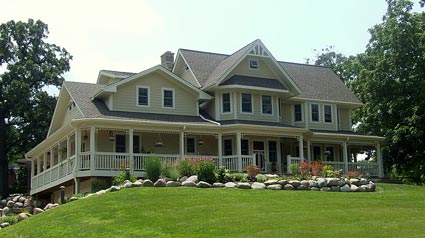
(302, 114)
(311, 112)
(258, 64)
(324, 116)
(174, 98)
(231, 104)
(261, 102)
(252, 104)
(149, 96)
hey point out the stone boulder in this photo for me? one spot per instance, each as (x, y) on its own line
(244, 185)
(71, 199)
(137, 183)
(288, 187)
(160, 183)
(257, 185)
(283, 182)
(305, 183)
(22, 199)
(6, 210)
(37, 210)
(345, 188)
(4, 224)
(315, 189)
(100, 192)
(17, 210)
(218, 185)
(271, 176)
(354, 188)
(372, 186)
(355, 181)
(363, 181)
(193, 178)
(182, 179)
(322, 182)
(203, 184)
(10, 203)
(18, 204)
(16, 198)
(302, 187)
(275, 187)
(128, 184)
(189, 184)
(334, 188)
(173, 184)
(313, 183)
(364, 188)
(22, 216)
(115, 188)
(325, 189)
(270, 182)
(294, 183)
(332, 181)
(147, 183)
(230, 185)
(50, 206)
(3, 202)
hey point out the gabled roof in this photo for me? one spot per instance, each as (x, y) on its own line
(82, 94)
(104, 74)
(113, 87)
(319, 83)
(314, 82)
(254, 82)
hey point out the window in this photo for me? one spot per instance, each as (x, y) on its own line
(266, 104)
(136, 144)
(253, 64)
(143, 96)
(120, 143)
(272, 151)
(190, 145)
(328, 113)
(298, 112)
(315, 112)
(244, 147)
(317, 154)
(226, 102)
(168, 98)
(246, 103)
(228, 147)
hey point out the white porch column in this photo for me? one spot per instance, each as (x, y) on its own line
(181, 141)
(220, 149)
(309, 151)
(38, 165)
(32, 168)
(68, 147)
(379, 160)
(77, 159)
(345, 155)
(51, 163)
(44, 161)
(92, 148)
(239, 150)
(131, 149)
(59, 153)
(279, 158)
(300, 147)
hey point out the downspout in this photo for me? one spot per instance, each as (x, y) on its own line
(211, 121)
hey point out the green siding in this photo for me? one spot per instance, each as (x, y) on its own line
(344, 119)
(321, 125)
(125, 99)
(287, 114)
(264, 70)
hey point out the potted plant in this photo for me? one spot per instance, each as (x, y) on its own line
(252, 170)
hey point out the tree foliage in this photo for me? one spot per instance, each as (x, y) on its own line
(28, 63)
(389, 77)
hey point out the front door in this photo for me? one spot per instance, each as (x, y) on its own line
(260, 159)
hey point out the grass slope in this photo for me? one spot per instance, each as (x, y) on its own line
(392, 211)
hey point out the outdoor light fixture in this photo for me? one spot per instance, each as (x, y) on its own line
(158, 142)
(200, 141)
(111, 136)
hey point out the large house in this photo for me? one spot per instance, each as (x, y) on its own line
(238, 109)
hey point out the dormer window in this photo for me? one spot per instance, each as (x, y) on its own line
(253, 64)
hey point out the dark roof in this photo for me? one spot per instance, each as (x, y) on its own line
(118, 73)
(315, 82)
(260, 123)
(341, 132)
(255, 82)
(83, 92)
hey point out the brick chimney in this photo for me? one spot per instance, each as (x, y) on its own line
(167, 60)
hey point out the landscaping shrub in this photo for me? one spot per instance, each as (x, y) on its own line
(9, 219)
(261, 178)
(186, 167)
(206, 171)
(170, 170)
(353, 174)
(316, 168)
(305, 168)
(236, 177)
(222, 174)
(100, 183)
(118, 180)
(294, 169)
(153, 168)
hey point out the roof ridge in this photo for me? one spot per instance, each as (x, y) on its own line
(311, 65)
(65, 81)
(116, 71)
(205, 52)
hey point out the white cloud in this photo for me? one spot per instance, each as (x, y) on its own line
(99, 34)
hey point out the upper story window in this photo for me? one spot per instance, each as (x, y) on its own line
(246, 103)
(315, 112)
(266, 104)
(226, 103)
(168, 98)
(253, 64)
(143, 96)
(327, 110)
(298, 112)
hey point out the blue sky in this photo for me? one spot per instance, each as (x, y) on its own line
(130, 35)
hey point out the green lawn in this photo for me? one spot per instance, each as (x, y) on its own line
(391, 211)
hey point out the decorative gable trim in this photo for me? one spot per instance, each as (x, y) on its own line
(180, 55)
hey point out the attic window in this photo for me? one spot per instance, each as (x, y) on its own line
(253, 64)
(186, 67)
(71, 105)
